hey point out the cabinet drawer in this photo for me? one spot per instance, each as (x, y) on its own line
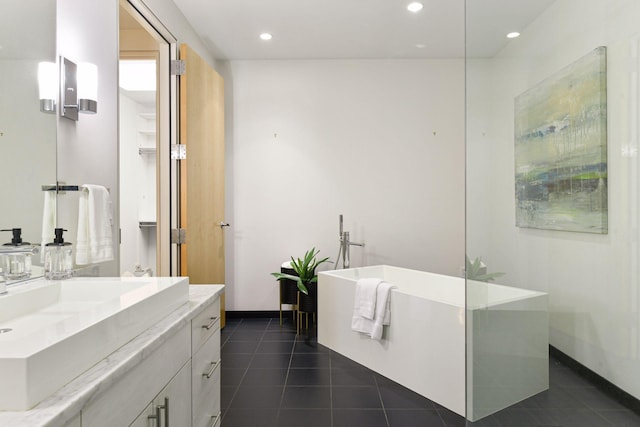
(204, 325)
(206, 409)
(121, 403)
(205, 382)
(212, 421)
(74, 422)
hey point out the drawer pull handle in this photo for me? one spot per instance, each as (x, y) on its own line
(157, 417)
(215, 419)
(210, 325)
(166, 411)
(214, 365)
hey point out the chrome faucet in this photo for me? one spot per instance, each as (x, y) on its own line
(345, 245)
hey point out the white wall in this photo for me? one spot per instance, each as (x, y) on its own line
(592, 280)
(380, 141)
(362, 133)
(88, 148)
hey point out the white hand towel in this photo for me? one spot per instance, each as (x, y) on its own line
(382, 315)
(383, 310)
(94, 242)
(365, 302)
(48, 220)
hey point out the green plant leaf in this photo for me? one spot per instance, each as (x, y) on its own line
(302, 288)
(305, 269)
(282, 276)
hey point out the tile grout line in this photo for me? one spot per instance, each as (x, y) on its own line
(286, 379)
(237, 388)
(384, 410)
(330, 389)
(245, 369)
(444, 423)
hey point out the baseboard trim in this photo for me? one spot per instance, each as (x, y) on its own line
(270, 314)
(602, 383)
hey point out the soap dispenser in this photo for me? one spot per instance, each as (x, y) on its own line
(15, 257)
(58, 258)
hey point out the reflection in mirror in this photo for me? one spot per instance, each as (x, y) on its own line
(27, 136)
(138, 144)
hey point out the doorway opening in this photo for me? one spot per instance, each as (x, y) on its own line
(146, 131)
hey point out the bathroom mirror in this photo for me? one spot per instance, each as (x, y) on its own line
(27, 136)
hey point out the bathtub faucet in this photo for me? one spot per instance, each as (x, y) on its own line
(345, 245)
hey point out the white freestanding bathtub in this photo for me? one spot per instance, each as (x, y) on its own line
(423, 348)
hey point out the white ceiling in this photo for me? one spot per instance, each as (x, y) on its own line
(333, 29)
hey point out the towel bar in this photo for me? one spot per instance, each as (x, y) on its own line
(60, 187)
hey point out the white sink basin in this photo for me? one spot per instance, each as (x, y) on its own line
(52, 331)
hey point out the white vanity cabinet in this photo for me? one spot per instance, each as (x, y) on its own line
(74, 422)
(170, 407)
(205, 380)
(124, 401)
(179, 380)
(174, 364)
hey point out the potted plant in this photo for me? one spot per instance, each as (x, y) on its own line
(305, 278)
(288, 287)
(477, 270)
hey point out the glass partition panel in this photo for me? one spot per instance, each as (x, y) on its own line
(552, 205)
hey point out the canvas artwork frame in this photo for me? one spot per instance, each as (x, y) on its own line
(560, 135)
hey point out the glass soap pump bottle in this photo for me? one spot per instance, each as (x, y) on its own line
(15, 257)
(58, 258)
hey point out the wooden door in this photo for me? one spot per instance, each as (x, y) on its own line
(202, 173)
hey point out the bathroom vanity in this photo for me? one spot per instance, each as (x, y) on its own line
(157, 344)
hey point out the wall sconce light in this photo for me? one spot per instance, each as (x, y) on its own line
(48, 86)
(79, 89)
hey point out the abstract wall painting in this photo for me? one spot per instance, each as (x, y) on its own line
(561, 149)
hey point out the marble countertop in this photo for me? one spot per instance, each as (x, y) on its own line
(61, 407)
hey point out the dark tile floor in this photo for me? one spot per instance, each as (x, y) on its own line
(271, 377)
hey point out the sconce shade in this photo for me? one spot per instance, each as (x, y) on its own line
(47, 86)
(87, 87)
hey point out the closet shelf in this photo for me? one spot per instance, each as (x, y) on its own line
(147, 132)
(146, 150)
(148, 116)
(145, 224)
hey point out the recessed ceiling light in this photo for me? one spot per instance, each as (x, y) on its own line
(266, 36)
(415, 7)
(513, 35)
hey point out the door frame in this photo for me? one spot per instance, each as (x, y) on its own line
(167, 119)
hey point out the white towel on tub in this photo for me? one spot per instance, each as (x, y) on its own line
(382, 316)
(95, 241)
(366, 295)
